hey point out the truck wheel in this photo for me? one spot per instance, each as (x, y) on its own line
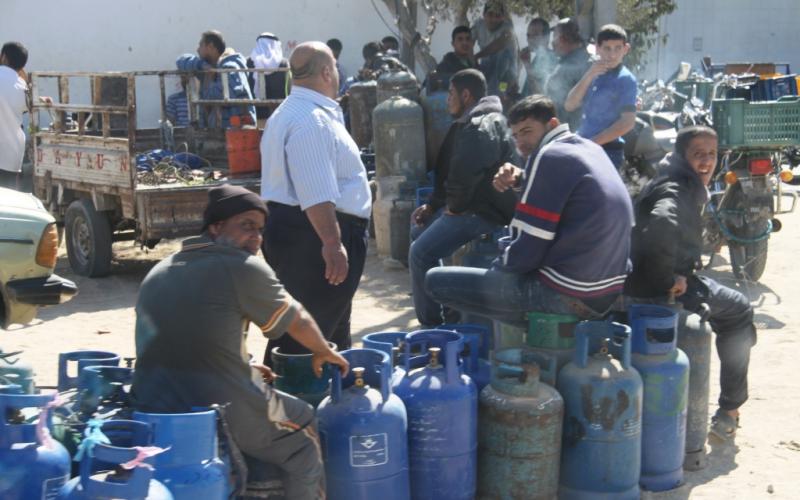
(88, 235)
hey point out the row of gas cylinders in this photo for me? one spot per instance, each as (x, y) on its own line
(412, 421)
(421, 415)
(85, 442)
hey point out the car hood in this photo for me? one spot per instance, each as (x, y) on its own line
(15, 199)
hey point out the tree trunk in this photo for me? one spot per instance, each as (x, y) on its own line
(406, 48)
(407, 24)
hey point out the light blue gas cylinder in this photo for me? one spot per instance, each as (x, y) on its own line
(601, 445)
(442, 405)
(392, 344)
(82, 359)
(191, 468)
(101, 476)
(32, 465)
(665, 373)
(362, 427)
(15, 371)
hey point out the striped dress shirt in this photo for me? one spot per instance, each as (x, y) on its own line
(308, 157)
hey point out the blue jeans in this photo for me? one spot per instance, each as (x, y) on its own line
(500, 295)
(439, 239)
(499, 68)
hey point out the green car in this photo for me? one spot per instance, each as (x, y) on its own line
(28, 253)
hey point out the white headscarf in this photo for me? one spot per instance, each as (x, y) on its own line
(267, 53)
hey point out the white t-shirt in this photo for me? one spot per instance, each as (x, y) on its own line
(12, 106)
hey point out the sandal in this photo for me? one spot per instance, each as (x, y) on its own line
(723, 426)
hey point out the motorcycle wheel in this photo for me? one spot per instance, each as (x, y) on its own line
(749, 260)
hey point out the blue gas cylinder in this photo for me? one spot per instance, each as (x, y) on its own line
(601, 445)
(392, 344)
(191, 468)
(665, 373)
(102, 478)
(362, 428)
(15, 371)
(82, 359)
(475, 356)
(519, 439)
(11, 389)
(442, 405)
(32, 465)
(104, 390)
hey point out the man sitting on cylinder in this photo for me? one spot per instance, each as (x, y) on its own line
(570, 251)
(666, 248)
(190, 344)
(463, 205)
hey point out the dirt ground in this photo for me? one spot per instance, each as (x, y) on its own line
(764, 462)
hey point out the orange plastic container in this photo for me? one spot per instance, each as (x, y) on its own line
(244, 151)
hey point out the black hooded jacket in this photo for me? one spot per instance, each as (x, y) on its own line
(472, 152)
(668, 236)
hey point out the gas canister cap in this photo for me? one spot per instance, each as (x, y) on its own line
(434, 360)
(358, 372)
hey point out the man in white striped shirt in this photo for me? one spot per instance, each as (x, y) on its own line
(316, 188)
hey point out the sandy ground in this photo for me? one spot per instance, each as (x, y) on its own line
(764, 462)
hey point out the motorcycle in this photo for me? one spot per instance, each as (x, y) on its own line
(741, 210)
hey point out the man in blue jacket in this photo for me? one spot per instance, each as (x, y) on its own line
(572, 224)
(212, 53)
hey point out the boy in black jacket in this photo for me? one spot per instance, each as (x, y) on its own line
(665, 249)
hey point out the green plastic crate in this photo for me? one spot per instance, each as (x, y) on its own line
(551, 331)
(704, 89)
(741, 123)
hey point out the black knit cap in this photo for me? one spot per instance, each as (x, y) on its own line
(225, 201)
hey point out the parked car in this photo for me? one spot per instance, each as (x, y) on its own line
(28, 252)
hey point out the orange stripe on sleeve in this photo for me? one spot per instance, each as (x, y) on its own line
(276, 317)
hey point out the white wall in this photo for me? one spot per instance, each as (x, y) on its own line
(728, 31)
(124, 35)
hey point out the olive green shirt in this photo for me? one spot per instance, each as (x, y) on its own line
(190, 322)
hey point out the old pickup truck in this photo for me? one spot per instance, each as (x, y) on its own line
(86, 174)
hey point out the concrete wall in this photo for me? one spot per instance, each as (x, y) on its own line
(728, 31)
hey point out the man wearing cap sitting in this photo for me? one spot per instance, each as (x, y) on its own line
(190, 345)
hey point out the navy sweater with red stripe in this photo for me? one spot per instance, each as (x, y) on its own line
(573, 223)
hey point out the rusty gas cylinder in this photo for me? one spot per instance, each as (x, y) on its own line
(519, 437)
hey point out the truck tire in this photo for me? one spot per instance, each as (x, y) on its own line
(88, 235)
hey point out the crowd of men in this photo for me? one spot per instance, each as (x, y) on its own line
(546, 166)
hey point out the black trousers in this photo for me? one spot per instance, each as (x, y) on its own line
(293, 249)
(732, 322)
